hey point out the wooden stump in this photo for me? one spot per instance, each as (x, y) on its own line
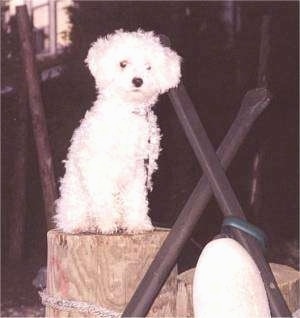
(287, 278)
(104, 270)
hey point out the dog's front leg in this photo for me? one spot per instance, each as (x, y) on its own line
(135, 217)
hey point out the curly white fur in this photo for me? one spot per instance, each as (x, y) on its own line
(114, 151)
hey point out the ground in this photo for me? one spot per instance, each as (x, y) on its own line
(19, 297)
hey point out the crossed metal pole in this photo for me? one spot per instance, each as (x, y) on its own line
(213, 181)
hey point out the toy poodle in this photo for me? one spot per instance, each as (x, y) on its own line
(114, 151)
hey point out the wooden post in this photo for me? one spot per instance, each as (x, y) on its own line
(104, 270)
(17, 215)
(287, 278)
(37, 115)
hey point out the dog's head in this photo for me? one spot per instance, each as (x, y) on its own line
(133, 65)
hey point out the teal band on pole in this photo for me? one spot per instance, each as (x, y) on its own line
(248, 228)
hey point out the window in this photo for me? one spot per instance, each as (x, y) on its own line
(50, 23)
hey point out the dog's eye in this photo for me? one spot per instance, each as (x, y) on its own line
(123, 64)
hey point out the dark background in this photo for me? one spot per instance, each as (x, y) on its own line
(220, 63)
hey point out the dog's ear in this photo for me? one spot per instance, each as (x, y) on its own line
(169, 69)
(96, 58)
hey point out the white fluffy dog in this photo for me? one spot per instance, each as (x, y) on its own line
(113, 153)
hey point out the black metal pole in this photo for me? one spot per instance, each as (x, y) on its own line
(224, 193)
(254, 102)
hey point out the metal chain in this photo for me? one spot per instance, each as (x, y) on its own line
(74, 305)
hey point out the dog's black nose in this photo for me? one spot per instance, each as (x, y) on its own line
(137, 81)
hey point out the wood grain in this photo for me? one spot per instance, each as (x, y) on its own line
(105, 270)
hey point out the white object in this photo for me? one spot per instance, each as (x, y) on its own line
(114, 151)
(227, 283)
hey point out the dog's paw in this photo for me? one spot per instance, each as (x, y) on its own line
(104, 228)
(75, 230)
(140, 227)
(107, 231)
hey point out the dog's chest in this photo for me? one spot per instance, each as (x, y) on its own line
(125, 134)
(134, 131)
